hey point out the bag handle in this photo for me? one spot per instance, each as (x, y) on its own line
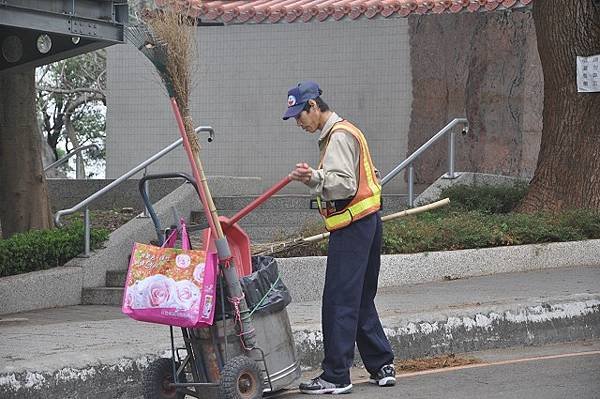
(185, 241)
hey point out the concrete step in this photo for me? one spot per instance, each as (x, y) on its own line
(285, 218)
(280, 216)
(102, 296)
(266, 226)
(300, 202)
(116, 278)
(264, 234)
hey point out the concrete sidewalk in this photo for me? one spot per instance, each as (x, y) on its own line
(94, 351)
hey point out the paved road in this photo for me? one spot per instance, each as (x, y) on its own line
(555, 371)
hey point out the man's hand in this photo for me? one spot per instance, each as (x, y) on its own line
(302, 173)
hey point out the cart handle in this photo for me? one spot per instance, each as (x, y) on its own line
(258, 201)
(146, 198)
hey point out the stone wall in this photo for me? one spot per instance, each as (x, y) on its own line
(485, 66)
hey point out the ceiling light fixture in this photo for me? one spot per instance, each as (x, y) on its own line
(12, 48)
(43, 43)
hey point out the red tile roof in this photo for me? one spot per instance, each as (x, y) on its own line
(273, 11)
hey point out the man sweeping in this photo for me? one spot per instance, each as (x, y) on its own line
(349, 198)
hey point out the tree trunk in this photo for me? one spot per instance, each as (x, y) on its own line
(568, 169)
(24, 201)
(72, 136)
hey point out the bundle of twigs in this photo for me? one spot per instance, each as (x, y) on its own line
(279, 247)
(178, 35)
(168, 39)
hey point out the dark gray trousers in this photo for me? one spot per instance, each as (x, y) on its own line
(348, 313)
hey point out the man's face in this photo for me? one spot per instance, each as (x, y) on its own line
(309, 120)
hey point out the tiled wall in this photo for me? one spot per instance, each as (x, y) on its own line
(240, 88)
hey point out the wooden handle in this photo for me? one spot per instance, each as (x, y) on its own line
(419, 209)
(412, 211)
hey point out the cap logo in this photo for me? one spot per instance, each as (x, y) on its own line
(291, 101)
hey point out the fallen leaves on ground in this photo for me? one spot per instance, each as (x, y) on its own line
(436, 362)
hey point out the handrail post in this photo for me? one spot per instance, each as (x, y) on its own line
(146, 213)
(411, 185)
(450, 174)
(78, 168)
(86, 232)
(421, 149)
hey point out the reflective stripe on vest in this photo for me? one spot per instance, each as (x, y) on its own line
(367, 199)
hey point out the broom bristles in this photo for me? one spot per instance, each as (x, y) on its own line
(155, 51)
(138, 36)
(270, 249)
(167, 39)
(175, 31)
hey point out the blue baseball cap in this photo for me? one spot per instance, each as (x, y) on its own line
(299, 95)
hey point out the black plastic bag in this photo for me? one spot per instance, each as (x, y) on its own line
(263, 289)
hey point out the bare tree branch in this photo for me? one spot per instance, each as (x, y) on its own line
(57, 90)
(81, 100)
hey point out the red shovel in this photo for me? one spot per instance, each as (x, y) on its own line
(239, 242)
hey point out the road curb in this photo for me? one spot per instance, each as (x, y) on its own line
(418, 335)
(467, 330)
(102, 381)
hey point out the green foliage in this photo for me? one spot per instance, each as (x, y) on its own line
(485, 198)
(479, 217)
(475, 229)
(44, 249)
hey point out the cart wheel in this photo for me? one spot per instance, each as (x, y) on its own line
(156, 380)
(241, 379)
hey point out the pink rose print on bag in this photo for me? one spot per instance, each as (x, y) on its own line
(183, 261)
(159, 290)
(188, 295)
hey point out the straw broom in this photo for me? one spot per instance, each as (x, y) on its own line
(167, 39)
(275, 248)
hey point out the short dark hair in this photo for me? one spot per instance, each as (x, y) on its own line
(320, 103)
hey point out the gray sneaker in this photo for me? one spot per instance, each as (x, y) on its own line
(318, 386)
(385, 377)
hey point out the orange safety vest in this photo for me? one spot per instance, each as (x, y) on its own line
(367, 199)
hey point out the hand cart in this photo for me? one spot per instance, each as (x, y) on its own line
(215, 362)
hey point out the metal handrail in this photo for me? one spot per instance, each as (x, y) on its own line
(69, 155)
(127, 175)
(408, 162)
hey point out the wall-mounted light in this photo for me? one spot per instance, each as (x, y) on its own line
(75, 40)
(12, 48)
(43, 43)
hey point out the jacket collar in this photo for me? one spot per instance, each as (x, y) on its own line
(333, 119)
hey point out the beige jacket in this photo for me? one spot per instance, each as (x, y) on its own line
(337, 179)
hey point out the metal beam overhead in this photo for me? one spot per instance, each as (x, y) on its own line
(73, 27)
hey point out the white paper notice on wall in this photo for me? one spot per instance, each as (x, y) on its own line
(588, 74)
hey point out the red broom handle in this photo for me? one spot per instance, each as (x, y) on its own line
(199, 181)
(258, 201)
